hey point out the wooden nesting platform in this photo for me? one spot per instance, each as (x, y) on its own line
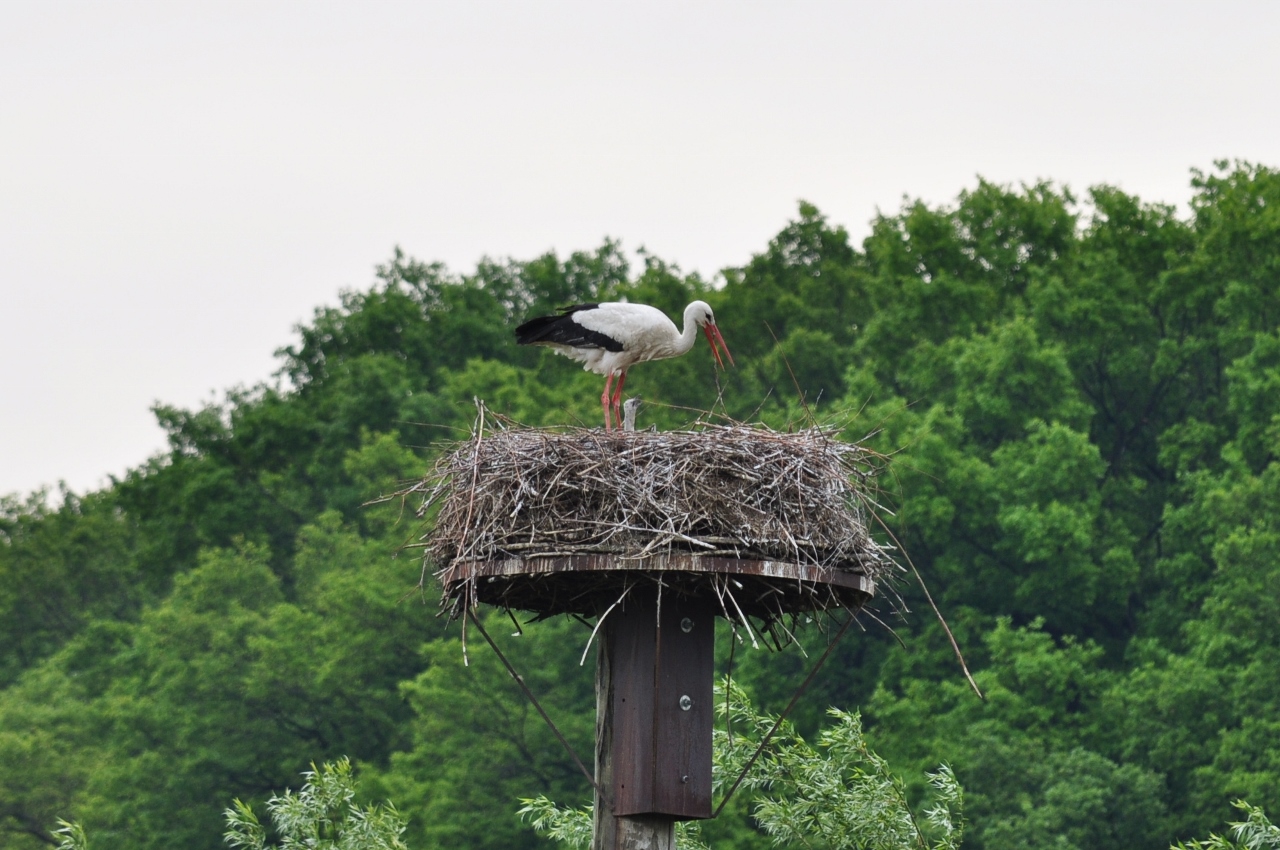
(586, 584)
(766, 523)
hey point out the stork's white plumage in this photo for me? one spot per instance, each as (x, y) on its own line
(610, 338)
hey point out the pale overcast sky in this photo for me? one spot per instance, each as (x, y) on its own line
(181, 183)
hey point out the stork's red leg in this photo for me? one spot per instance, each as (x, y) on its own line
(604, 401)
(617, 398)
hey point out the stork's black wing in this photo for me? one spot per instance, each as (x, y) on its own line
(561, 329)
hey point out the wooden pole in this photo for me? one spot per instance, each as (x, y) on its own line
(610, 832)
(653, 720)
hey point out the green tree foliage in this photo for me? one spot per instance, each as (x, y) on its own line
(1256, 832)
(470, 705)
(322, 815)
(1082, 397)
(63, 567)
(839, 795)
(1028, 755)
(71, 836)
(573, 827)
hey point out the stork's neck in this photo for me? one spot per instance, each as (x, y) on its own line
(689, 335)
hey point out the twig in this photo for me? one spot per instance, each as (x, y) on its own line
(941, 619)
(783, 716)
(745, 624)
(799, 392)
(600, 622)
(520, 681)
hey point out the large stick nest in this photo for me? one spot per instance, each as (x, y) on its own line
(737, 492)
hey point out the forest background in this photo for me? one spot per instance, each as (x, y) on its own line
(1083, 395)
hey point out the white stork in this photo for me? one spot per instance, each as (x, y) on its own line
(610, 338)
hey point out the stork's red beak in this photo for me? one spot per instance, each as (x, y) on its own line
(717, 343)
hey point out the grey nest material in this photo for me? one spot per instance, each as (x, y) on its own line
(733, 492)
